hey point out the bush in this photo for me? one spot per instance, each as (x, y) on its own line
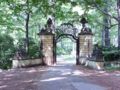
(34, 51)
(112, 55)
(6, 51)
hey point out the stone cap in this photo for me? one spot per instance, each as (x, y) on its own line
(45, 32)
(86, 31)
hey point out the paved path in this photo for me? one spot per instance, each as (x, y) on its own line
(65, 77)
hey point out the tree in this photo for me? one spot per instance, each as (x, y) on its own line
(105, 31)
(118, 19)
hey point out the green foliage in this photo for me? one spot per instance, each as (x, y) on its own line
(64, 47)
(34, 51)
(6, 51)
(13, 15)
(111, 48)
(112, 68)
(110, 54)
(63, 51)
(60, 51)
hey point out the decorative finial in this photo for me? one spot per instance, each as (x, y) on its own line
(49, 22)
(83, 21)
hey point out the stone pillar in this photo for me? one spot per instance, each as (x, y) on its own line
(85, 42)
(47, 47)
(85, 46)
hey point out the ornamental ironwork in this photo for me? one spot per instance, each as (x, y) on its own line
(66, 30)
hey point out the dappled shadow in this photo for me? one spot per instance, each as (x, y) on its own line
(103, 78)
(60, 76)
(65, 75)
(20, 79)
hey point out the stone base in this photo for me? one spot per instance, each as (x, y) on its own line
(26, 63)
(92, 64)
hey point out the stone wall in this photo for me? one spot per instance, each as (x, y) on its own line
(26, 63)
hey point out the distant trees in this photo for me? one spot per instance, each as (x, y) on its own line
(106, 24)
(24, 17)
(118, 19)
(116, 16)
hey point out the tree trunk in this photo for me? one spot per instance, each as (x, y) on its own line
(118, 11)
(119, 35)
(27, 31)
(102, 35)
(106, 33)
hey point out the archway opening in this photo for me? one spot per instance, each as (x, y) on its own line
(66, 51)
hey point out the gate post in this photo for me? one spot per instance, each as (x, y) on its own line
(47, 45)
(85, 42)
(85, 46)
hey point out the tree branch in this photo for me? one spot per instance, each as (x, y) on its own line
(106, 25)
(95, 4)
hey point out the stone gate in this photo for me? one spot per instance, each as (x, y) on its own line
(83, 39)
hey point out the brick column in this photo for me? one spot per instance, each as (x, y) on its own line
(85, 46)
(47, 47)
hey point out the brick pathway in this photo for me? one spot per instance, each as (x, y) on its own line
(59, 77)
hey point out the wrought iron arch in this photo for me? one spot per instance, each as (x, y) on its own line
(66, 30)
(66, 36)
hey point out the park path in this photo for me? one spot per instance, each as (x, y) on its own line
(62, 76)
(66, 76)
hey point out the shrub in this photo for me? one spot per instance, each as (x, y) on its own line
(34, 51)
(6, 51)
(112, 55)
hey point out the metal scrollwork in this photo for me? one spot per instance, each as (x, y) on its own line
(66, 30)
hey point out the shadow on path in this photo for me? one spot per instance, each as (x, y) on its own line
(66, 76)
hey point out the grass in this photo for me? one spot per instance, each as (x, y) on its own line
(111, 68)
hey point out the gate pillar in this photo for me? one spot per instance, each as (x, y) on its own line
(85, 46)
(85, 42)
(47, 46)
